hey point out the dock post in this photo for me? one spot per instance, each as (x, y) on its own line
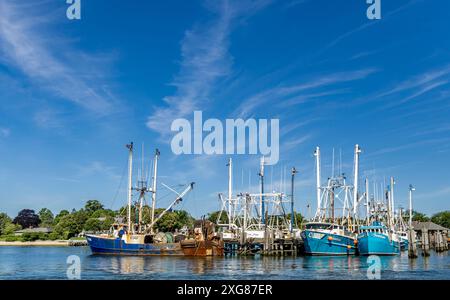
(425, 243)
(440, 242)
(444, 236)
(412, 247)
(437, 242)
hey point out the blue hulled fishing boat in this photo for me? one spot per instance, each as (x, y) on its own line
(131, 245)
(378, 240)
(328, 239)
(329, 233)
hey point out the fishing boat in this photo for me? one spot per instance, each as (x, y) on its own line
(382, 235)
(136, 238)
(328, 239)
(377, 239)
(329, 234)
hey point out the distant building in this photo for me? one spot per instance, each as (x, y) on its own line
(432, 229)
(430, 226)
(33, 230)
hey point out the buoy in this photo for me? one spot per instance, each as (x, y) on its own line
(330, 238)
(349, 247)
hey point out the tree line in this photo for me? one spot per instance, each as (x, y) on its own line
(93, 217)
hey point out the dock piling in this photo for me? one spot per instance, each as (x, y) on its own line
(425, 243)
(412, 247)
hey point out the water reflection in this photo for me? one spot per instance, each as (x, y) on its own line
(49, 263)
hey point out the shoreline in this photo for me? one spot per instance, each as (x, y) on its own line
(62, 243)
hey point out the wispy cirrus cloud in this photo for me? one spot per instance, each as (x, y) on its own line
(290, 95)
(423, 90)
(205, 60)
(366, 25)
(397, 148)
(29, 44)
(410, 89)
(422, 80)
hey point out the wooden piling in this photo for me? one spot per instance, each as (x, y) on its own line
(412, 247)
(425, 243)
(445, 241)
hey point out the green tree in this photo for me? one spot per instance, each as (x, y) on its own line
(298, 219)
(442, 218)
(46, 217)
(72, 224)
(214, 215)
(10, 228)
(98, 224)
(60, 215)
(103, 213)
(173, 220)
(27, 218)
(420, 217)
(92, 206)
(93, 225)
(4, 220)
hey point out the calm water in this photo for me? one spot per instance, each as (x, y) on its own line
(50, 263)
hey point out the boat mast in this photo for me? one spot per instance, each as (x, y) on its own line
(130, 168)
(142, 187)
(293, 172)
(155, 172)
(411, 189)
(392, 200)
(230, 192)
(262, 206)
(317, 155)
(389, 208)
(367, 201)
(355, 180)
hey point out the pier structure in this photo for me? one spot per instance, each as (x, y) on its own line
(431, 236)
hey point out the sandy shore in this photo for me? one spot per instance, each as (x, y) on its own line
(36, 243)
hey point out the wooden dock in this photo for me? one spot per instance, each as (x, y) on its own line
(277, 247)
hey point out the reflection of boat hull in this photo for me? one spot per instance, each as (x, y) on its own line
(372, 243)
(118, 246)
(322, 243)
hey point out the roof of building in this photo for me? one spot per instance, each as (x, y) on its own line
(37, 229)
(428, 225)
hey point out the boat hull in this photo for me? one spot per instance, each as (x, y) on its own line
(321, 243)
(117, 246)
(371, 243)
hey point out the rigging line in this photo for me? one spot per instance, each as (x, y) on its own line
(120, 185)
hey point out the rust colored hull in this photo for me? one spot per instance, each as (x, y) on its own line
(202, 248)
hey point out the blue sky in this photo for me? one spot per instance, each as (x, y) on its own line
(73, 93)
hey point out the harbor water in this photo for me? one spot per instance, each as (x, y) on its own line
(52, 263)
